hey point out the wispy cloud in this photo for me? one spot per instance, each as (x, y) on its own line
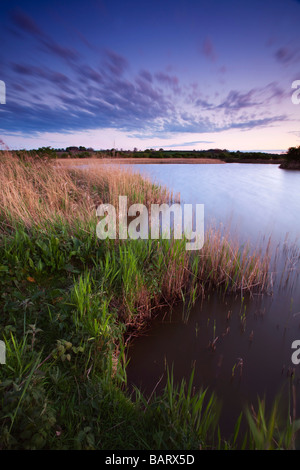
(170, 80)
(116, 63)
(287, 54)
(188, 144)
(256, 97)
(255, 123)
(24, 22)
(208, 50)
(146, 75)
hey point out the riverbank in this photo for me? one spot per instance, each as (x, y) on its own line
(163, 161)
(261, 161)
(290, 165)
(131, 161)
(71, 304)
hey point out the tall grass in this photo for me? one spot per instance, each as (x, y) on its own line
(223, 262)
(274, 431)
(35, 191)
(180, 417)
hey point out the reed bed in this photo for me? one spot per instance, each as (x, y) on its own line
(34, 191)
(223, 262)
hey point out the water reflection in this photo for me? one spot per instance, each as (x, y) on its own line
(240, 348)
(256, 200)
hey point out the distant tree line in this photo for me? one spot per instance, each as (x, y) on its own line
(222, 154)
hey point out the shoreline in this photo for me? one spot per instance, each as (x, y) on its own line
(130, 161)
(160, 161)
(290, 165)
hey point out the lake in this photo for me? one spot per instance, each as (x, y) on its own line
(253, 351)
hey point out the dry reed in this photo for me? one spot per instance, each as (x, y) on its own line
(224, 262)
(33, 191)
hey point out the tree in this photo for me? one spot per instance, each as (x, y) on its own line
(46, 151)
(293, 154)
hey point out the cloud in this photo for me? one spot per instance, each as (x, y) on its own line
(146, 75)
(254, 123)
(236, 100)
(203, 104)
(256, 97)
(208, 50)
(55, 77)
(26, 23)
(116, 63)
(170, 80)
(145, 88)
(90, 73)
(286, 55)
(87, 98)
(60, 51)
(189, 144)
(36, 78)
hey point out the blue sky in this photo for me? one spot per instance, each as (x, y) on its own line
(150, 74)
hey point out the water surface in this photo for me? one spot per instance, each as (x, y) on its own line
(258, 200)
(255, 201)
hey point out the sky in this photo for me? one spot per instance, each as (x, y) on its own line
(171, 74)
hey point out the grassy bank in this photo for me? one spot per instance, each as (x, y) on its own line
(152, 155)
(70, 303)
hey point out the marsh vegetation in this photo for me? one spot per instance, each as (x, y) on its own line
(71, 304)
